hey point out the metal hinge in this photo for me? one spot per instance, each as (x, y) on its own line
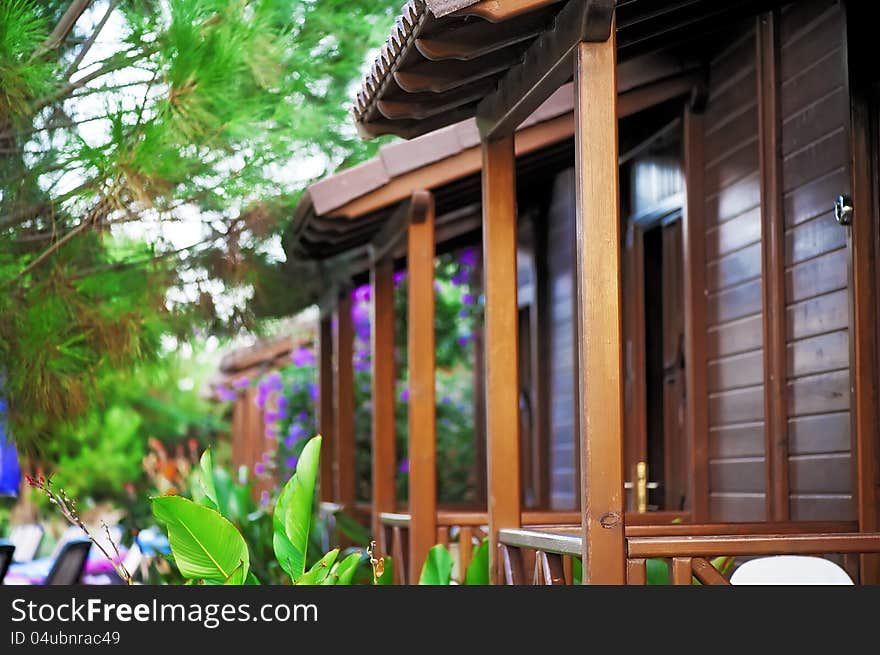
(843, 210)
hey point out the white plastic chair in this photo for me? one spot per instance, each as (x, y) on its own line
(26, 538)
(790, 570)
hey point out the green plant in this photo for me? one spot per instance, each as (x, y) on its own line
(437, 569)
(208, 548)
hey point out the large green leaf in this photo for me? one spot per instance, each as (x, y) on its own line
(478, 570)
(319, 572)
(206, 470)
(438, 567)
(205, 545)
(293, 512)
(345, 569)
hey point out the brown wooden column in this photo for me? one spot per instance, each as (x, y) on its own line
(696, 383)
(384, 446)
(599, 316)
(773, 269)
(326, 416)
(502, 375)
(343, 461)
(865, 296)
(422, 402)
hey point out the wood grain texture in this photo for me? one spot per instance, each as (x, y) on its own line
(773, 267)
(344, 448)
(384, 391)
(326, 416)
(695, 338)
(599, 315)
(502, 375)
(422, 401)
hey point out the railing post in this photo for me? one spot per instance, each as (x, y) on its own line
(325, 404)
(502, 375)
(343, 449)
(599, 320)
(384, 446)
(422, 402)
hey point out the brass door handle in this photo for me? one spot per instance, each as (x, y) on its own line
(641, 486)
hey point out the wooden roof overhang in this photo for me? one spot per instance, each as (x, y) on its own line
(343, 215)
(498, 60)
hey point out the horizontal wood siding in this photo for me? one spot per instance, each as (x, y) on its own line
(815, 149)
(733, 286)
(560, 303)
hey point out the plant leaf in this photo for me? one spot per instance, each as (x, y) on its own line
(320, 570)
(206, 470)
(657, 571)
(346, 568)
(205, 545)
(438, 567)
(293, 512)
(478, 570)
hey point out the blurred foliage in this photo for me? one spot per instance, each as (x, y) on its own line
(135, 117)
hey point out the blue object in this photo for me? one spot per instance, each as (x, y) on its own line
(10, 469)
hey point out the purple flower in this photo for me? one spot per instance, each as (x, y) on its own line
(303, 356)
(463, 313)
(264, 499)
(403, 467)
(302, 417)
(398, 277)
(259, 468)
(296, 431)
(360, 315)
(278, 415)
(361, 293)
(291, 462)
(281, 401)
(467, 299)
(446, 400)
(226, 394)
(262, 398)
(274, 382)
(313, 391)
(459, 278)
(437, 286)
(270, 434)
(468, 257)
(404, 395)
(463, 340)
(241, 383)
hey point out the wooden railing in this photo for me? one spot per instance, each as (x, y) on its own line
(543, 556)
(463, 529)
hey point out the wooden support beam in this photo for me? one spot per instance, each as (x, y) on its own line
(599, 317)
(344, 448)
(422, 401)
(773, 268)
(443, 76)
(419, 106)
(865, 295)
(696, 372)
(326, 416)
(384, 392)
(500, 333)
(545, 66)
(681, 570)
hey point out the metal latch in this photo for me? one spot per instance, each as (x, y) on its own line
(843, 210)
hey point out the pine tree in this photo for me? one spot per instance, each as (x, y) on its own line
(120, 113)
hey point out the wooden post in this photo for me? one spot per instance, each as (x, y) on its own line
(773, 270)
(599, 316)
(325, 405)
(344, 422)
(422, 402)
(502, 375)
(696, 383)
(384, 446)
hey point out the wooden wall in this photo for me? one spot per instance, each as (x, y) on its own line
(815, 155)
(564, 484)
(814, 149)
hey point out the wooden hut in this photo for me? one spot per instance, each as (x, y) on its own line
(699, 210)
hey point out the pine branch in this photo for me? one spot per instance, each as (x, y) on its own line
(63, 28)
(83, 51)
